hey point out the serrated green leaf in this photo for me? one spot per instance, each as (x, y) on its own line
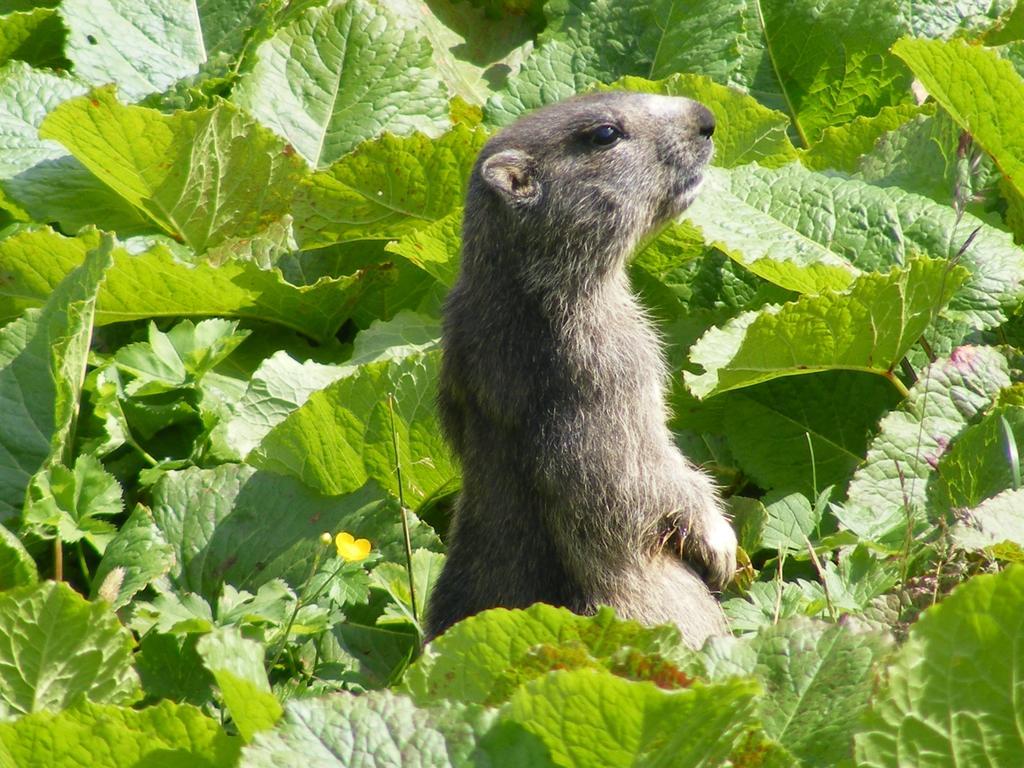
(799, 433)
(32, 35)
(171, 668)
(142, 45)
(368, 731)
(964, 19)
(180, 357)
(140, 553)
(868, 328)
(38, 175)
(892, 484)
(981, 91)
(821, 63)
(154, 283)
(27, 95)
(42, 364)
(17, 568)
(339, 76)
(232, 524)
(394, 579)
(56, 647)
(978, 465)
(237, 666)
(169, 735)
(790, 521)
(468, 661)
(765, 603)
(276, 388)
(202, 176)
(817, 681)
(386, 188)
(589, 718)
(69, 502)
(434, 248)
(343, 434)
(952, 694)
(841, 147)
(803, 230)
(994, 521)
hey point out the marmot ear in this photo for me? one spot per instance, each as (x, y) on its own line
(511, 174)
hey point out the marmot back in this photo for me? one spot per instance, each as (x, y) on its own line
(552, 381)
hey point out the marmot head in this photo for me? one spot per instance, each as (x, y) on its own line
(576, 185)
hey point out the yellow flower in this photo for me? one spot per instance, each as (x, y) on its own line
(350, 548)
(326, 538)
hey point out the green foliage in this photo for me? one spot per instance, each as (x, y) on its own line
(226, 232)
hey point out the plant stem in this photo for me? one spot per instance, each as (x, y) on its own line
(401, 506)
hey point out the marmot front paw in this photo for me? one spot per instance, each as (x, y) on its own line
(710, 546)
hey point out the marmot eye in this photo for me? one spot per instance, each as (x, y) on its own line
(605, 135)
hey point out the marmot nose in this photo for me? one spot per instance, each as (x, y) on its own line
(705, 122)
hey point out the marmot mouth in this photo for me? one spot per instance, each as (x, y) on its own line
(685, 193)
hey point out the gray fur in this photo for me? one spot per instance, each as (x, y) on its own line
(552, 384)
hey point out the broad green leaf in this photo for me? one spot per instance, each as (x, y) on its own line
(171, 668)
(821, 63)
(434, 248)
(235, 525)
(142, 45)
(980, 462)
(387, 187)
(744, 214)
(868, 328)
(42, 364)
(951, 696)
(407, 333)
(34, 36)
(856, 578)
(154, 283)
(203, 176)
(842, 146)
(237, 666)
(817, 681)
(38, 175)
(992, 522)
(981, 91)
(180, 357)
(802, 230)
(139, 553)
(339, 76)
(590, 718)
(471, 46)
(765, 603)
(962, 19)
(927, 156)
(167, 735)
(394, 579)
(376, 729)
(745, 131)
(17, 568)
(472, 661)
(345, 433)
(55, 647)
(279, 386)
(790, 522)
(27, 95)
(892, 484)
(789, 434)
(69, 502)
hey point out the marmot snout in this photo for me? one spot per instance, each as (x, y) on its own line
(552, 382)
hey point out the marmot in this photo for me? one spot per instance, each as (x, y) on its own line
(552, 381)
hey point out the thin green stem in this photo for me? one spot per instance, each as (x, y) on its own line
(401, 506)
